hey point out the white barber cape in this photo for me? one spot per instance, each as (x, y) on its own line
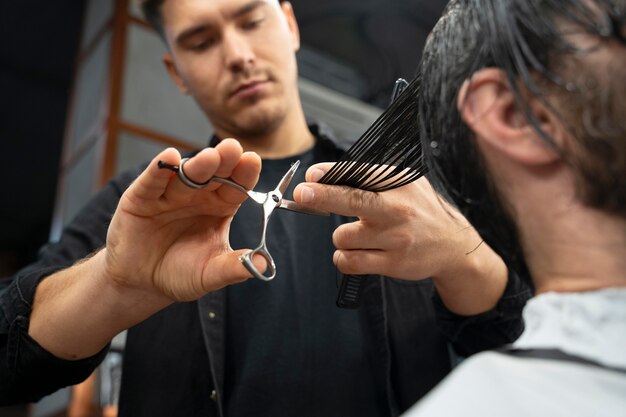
(590, 325)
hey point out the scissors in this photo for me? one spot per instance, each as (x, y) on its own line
(268, 201)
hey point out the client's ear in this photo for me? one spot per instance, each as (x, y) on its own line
(174, 74)
(487, 105)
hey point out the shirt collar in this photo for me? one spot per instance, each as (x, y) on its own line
(320, 131)
(590, 324)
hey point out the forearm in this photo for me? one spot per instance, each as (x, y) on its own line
(77, 311)
(479, 301)
(474, 284)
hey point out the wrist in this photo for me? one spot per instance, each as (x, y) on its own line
(77, 311)
(474, 282)
(126, 303)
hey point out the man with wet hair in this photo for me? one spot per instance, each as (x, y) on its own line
(279, 348)
(522, 114)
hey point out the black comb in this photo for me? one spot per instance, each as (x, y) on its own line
(388, 155)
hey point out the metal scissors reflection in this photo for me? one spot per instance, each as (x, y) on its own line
(268, 201)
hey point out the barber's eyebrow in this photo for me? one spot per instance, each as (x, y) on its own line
(247, 8)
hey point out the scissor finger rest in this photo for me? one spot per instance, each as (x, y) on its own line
(268, 201)
(246, 260)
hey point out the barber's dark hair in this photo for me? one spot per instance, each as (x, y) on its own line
(526, 40)
(152, 12)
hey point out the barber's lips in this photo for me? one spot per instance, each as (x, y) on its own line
(250, 89)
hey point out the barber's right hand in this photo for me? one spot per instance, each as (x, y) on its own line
(166, 243)
(171, 240)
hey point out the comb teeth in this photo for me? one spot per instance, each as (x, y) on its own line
(389, 154)
(349, 295)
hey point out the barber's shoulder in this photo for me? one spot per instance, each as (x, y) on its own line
(327, 140)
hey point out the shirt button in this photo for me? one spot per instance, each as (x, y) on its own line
(214, 395)
(211, 315)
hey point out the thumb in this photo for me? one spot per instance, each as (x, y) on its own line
(226, 269)
(342, 200)
(317, 171)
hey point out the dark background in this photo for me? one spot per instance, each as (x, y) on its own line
(370, 42)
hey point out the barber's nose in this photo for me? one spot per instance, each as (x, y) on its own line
(238, 53)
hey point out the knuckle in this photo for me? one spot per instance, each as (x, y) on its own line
(405, 211)
(346, 263)
(323, 196)
(337, 239)
(356, 200)
(342, 235)
(359, 199)
(404, 239)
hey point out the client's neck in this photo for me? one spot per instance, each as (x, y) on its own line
(576, 249)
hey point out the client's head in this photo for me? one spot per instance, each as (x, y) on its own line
(515, 91)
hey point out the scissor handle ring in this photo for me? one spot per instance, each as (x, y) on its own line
(246, 259)
(186, 180)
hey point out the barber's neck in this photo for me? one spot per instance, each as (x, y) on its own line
(291, 136)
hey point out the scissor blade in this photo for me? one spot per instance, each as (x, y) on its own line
(293, 206)
(284, 182)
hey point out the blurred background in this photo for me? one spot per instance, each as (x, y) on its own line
(84, 96)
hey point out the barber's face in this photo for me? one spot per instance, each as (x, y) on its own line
(236, 58)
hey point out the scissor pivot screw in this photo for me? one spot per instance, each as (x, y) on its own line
(275, 198)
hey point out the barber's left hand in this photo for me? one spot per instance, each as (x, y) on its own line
(410, 233)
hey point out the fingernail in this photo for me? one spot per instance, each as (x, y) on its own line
(307, 195)
(316, 174)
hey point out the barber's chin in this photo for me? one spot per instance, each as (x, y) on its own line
(258, 105)
(259, 120)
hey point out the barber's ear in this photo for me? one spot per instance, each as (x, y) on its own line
(287, 9)
(487, 105)
(174, 74)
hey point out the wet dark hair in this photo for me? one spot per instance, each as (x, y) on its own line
(152, 12)
(526, 40)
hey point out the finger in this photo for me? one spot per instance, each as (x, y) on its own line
(153, 181)
(317, 171)
(248, 170)
(198, 169)
(230, 151)
(356, 235)
(246, 173)
(226, 269)
(362, 262)
(342, 200)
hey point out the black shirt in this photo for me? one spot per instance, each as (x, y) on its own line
(179, 362)
(292, 352)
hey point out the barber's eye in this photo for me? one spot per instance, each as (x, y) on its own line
(252, 24)
(202, 45)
